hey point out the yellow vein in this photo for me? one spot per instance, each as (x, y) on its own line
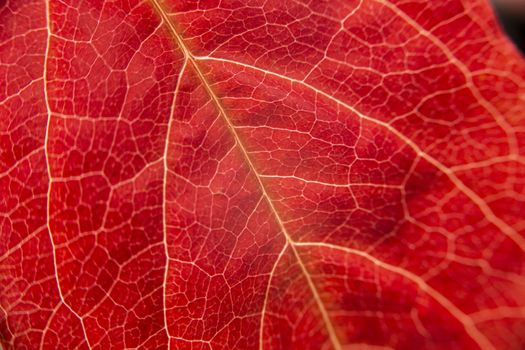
(328, 323)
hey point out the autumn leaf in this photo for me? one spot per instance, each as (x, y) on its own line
(260, 174)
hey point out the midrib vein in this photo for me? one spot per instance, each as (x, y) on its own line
(188, 56)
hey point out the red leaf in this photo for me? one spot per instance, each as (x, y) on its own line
(260, 175)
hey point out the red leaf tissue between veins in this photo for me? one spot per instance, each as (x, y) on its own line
(260, 174)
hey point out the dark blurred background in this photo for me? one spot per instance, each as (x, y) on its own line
(512, 17)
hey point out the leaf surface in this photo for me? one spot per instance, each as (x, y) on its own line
(260, 175)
